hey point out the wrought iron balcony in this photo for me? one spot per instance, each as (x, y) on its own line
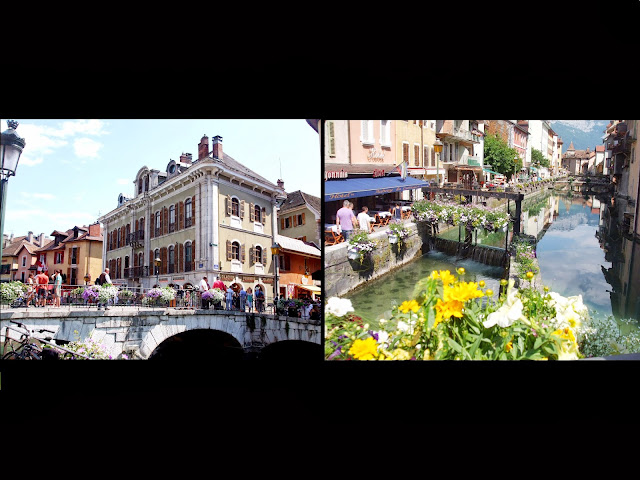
(136, 272)
(136, 239)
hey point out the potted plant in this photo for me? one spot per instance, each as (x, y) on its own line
(215, 295)
(359, 246)
(397, 233)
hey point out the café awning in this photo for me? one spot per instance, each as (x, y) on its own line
(366, 187)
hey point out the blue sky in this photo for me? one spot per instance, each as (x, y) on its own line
(72, 171)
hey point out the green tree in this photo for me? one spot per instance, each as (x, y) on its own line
(538, 159)
(500, 156)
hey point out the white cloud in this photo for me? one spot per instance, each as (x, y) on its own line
(43, 140)
(86, 147)
(38, 195)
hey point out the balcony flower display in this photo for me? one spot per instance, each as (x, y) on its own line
(10, 291)
(472, 216)
(360, 246)
(448, 318)
(153, 295)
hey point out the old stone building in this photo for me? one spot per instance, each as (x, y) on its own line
(206, 216)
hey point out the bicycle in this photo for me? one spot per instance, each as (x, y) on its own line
(29, 349)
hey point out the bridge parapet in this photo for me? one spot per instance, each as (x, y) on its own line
(138, 332)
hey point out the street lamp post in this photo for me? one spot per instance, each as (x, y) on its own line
(157, 261)
(275, 251)
(10, 151)
(437, 147)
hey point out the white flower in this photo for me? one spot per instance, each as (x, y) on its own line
(339, 306)
(509, 312)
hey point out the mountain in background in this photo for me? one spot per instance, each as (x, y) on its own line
(583, 133)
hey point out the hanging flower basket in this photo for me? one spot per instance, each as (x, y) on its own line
(393, 238)
(352, 254)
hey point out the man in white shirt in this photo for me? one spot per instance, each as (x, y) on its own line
(204, 286)
(365, 221)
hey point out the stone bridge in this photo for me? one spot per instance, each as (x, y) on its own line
(177, 334)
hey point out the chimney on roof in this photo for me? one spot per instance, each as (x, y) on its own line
(203, 147)
(94, 230)
(41, 239)
(186, 158)
(30, 237)
(217, 147)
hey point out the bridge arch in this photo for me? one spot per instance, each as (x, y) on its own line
(198, 345)
(287, 350)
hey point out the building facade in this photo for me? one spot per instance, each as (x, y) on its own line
(19, 256)
(298, 262)
(210, 216)
(460, 142)
(299, 217)
(77, 252)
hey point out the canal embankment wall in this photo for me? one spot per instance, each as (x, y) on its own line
(341, 274)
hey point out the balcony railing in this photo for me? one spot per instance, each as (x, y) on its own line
(136, 272)
(136, 239)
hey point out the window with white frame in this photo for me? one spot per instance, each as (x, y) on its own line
(367, 132)
(385, 133)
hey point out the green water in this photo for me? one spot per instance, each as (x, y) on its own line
(375, 299)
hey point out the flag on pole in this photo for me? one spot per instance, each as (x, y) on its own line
(402, 170)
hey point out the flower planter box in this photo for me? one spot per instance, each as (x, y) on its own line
(393, 239)
(352, 254)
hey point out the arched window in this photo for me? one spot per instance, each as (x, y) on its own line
(140, 186)
(158, 231)
(188, 256)
(235, 251)
(172, 218)
(187, 213)
(172, 259)
(235, 207)
(257, 213)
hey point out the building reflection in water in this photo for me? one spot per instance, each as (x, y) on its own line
(617, 240)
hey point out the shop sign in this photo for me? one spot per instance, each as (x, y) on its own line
(375, 155)
(247, 279)
(333, 174)
(378, 172)
(178, 278)
(227, 278)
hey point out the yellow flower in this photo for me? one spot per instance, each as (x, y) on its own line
(410, 305)
(529, 275)
(461, 292)
(503, 282)
(445, 310)
(489, 292)
(444, 275)
(481, 284)
(509, 346)
(546, 289)
(460, 271)
(364, 349)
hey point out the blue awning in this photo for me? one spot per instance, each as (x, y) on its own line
(365, 187)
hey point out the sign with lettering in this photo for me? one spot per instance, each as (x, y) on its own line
(227, 278)
(247, 279)
(331, 174)
(378, 172)
(178, 278)
(375, 155)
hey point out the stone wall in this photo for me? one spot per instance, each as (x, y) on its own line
(342, 274)
(138, 332)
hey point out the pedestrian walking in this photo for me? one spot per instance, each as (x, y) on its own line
(41, 281)
(259, 297)
(365, 221)
(345, 219)
(250, 299)
(204, 286)
(57, 287)
(31, 290)
(229, 298)
(243, 298)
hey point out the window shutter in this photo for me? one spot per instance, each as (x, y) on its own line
(252, 255)
(264, 215)
(332, 138)
(228, 249)
(263, 260)
(163, 258)
(180, 257)
(405, 152)
(252, 214)
(295, 220)
(165, 224)
(152, 226)
(193, 210)
(180, 211)
(193, 255)
(416, 154)
(69, 262)
(303, 220)
(282, 224)
(242, 253)
(228, 205)
(151, 264)
(241, 209)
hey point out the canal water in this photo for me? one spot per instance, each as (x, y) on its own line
(375, 299)
(571, 259)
